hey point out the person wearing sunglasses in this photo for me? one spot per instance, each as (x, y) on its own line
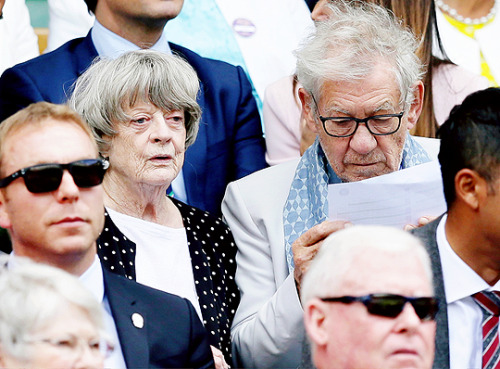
(361, 92)
(368, 301)
(464, 243)
(49, 320)
(51, 203)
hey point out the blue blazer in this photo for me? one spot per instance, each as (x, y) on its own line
(230, 142)
(172, 335)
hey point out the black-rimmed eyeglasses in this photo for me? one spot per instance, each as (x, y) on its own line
(390, 306)
(378, 125)
(47, 177)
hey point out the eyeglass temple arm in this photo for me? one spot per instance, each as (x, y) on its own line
(7, 180)
(343, 299)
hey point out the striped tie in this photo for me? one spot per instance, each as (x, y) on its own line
(489, 302)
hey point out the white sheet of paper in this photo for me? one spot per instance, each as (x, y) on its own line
(394, 199)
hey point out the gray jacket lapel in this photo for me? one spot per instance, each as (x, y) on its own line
(428, 236)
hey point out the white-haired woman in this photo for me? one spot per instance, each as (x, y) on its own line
(49, 320)
(142, 107)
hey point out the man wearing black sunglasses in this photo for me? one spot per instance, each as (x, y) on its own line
(51, 203)
(368, 301)
(464, 243)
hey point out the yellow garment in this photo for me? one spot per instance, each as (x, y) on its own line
(470, 30)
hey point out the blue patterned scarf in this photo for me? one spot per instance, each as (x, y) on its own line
(307, 202)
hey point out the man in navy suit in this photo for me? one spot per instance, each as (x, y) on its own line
(54, 214)
(464, 244)
(230, 143)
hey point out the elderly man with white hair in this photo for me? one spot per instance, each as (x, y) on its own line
(362, 91)
(368, 301)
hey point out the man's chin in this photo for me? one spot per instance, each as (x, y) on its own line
(407, 362)
(71, 242)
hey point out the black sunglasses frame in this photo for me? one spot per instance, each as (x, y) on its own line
(100, 166)
(426, 308)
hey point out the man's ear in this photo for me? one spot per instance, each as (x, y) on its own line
(470, 188)
(314, 321)
(307, 111)
(4, 216)
(417, 105)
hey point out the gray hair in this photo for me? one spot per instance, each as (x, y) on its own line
(33, 295)
(336, 254)
(108, 87)
(357, 36)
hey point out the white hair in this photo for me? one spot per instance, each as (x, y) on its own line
(34, 294)
(337, 252)
(356, 37)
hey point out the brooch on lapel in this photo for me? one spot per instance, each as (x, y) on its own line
(137, 320)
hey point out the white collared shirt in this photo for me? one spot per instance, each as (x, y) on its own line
(110, 45)
(93, 280)
(464, 315)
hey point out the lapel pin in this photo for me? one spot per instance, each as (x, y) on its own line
(137, 320)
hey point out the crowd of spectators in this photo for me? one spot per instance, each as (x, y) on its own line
(143, 227)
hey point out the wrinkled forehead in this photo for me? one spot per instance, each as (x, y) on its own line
(377, 91)
(366, 78)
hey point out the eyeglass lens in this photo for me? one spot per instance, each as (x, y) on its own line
(380, 125)
(392, 306)
(48, 177)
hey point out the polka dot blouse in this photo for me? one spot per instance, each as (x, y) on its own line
(212, 250)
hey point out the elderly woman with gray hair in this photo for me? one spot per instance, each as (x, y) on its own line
(142, 108)
(49, 320)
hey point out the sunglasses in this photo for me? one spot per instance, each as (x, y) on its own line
(390, 306)
(47, 177)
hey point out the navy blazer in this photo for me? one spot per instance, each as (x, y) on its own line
(230, 142)
(172, 335)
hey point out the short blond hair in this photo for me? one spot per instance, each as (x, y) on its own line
(35, 115)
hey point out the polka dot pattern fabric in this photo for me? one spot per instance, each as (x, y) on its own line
(212, 250)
